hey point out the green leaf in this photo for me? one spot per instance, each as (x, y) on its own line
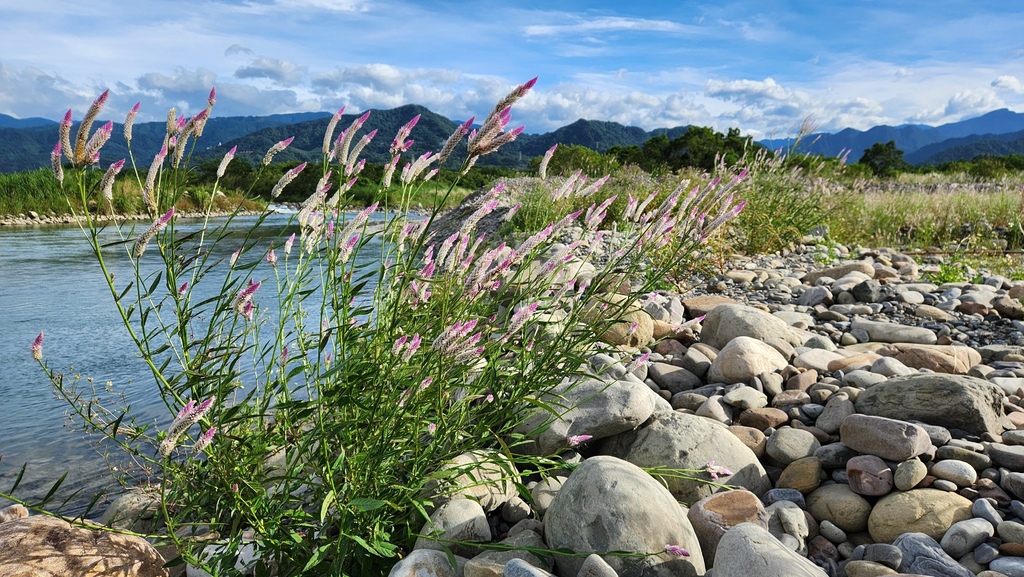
(329, 500)
(364, 504)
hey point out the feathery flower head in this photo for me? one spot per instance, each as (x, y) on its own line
(286, 178)
(228, 156)
(234, 257)
(329, 133)
(577, 440)
(145, 237)
(37, 348)
(183, 289)
(212, 99)
(542, 171)
(64, 138)
(107, 183)
(98, 139)
(278, 147)
(55, 163)
(129, 121)
(243, 300)
(272, 258)
(204, 440)
(288, 244)
(82, 136)
(399, 145)
(189, 415)
(147, 190)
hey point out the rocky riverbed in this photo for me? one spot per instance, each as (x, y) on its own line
(865, 421)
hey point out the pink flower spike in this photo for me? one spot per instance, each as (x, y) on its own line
(37, 347)
(676, 550)
(212, 99)
(526, 86)
(431, 428)
(183, 289)
(577, 440)
(204, 440)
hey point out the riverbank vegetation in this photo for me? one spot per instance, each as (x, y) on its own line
(338, 388)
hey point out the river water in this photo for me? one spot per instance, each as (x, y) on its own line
(50, 282)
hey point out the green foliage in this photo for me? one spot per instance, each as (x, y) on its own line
(884, 160)
(699, 147)
(339, 377)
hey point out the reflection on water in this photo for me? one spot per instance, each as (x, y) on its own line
(50, 282)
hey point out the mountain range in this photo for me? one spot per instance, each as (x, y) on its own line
(25, 144)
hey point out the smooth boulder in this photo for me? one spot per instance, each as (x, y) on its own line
(682, 441)
(608, 504)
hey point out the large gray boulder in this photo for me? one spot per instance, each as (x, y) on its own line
(742, 359)
(681, 441)
(748, 549)
(728, 321)
(607, 505)
(586, 407)
(951, 401)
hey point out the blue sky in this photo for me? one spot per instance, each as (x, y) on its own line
(761, 66)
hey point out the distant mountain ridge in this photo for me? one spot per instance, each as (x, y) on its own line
(25, 144)
(921, 144)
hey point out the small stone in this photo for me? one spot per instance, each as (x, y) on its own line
(958, 472)
(869, 475)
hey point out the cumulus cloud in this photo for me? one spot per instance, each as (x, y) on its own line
(1010, 83)
(973, 102)
(28, 91)
(384, 77)
(258, 7)
(606, 24)
(280, 71)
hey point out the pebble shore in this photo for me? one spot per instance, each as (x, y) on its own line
(868, 421)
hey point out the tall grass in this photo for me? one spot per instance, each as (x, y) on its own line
(321, 404)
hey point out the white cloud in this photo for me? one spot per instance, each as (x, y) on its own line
(1010, 83)
(606, 24)
(973, 103)
(256, 7)
(280, 71)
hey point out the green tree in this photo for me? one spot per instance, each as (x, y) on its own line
(884, 159)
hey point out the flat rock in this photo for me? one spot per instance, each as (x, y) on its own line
(886, 332)
(950, 401)
(949, 359)
(883, 437)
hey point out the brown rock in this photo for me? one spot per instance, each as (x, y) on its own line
(701, 305)
(44, 545)
(712, 516)
(869, 475)
(802, 381)
(668, 346)
(1009, 307)
(804, 475)
(948, 359)
(973, 309)
(763, 418)
(751, 437)
(789, 399)
(861, 361)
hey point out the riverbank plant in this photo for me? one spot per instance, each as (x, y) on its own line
(320, 385)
